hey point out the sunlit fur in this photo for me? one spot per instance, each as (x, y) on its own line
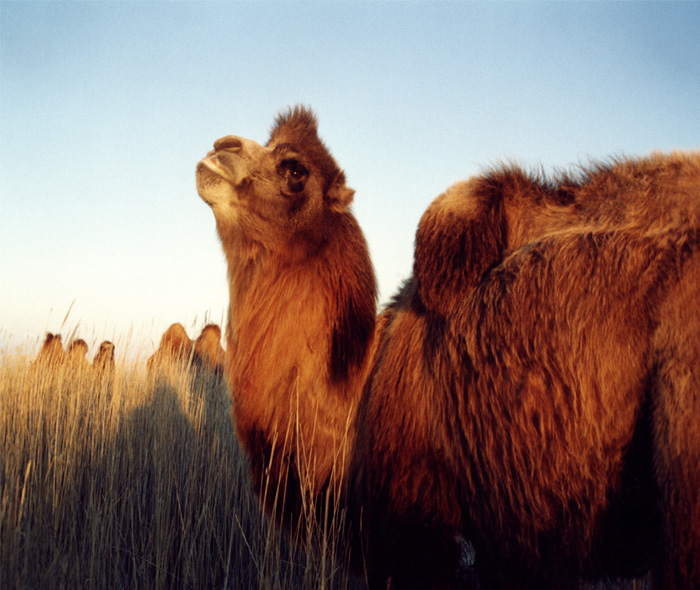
(208, 350)
(51, 352)
(175, 346)
(302, 305)
(103, 363)
(532, 406)
(77, 354)
(476, 222)
(75, 358)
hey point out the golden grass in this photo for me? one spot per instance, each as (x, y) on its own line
(138, 482)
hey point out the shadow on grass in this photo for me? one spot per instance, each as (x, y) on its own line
(140, 483)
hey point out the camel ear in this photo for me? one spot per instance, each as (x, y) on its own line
(339, 196)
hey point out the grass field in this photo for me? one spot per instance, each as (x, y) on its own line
(136, 482)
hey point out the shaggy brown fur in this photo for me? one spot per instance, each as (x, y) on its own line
(517, 417)
(208, 351)
(175, 346)
(51, 352)
(521, 412)
(103, 363)
(302, 304)
(476, 222)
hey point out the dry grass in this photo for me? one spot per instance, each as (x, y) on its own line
(137, 482)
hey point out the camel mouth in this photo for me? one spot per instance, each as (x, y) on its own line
(220, 185)
(211, 162)
(220, 165)
(209, 177)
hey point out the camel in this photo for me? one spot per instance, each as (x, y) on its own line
(537, 407)
(51, 353)
(175, 346)
(103, 363)
(77, 355)
(77, 349)
(208, 351)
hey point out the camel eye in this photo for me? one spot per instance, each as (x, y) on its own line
(294, 169)
(295, 174)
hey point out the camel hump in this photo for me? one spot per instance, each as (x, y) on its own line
(460, 236)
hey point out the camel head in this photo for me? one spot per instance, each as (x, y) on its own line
(276, 195)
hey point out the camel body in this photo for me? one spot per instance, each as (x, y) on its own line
(533, 388)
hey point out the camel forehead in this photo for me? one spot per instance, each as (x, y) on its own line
(298, 130)
(295, 140)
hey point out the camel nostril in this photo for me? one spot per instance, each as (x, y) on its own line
(229, 142)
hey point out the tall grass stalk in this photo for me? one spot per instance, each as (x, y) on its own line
(138, 482)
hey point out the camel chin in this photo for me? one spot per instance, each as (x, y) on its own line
(212, 185)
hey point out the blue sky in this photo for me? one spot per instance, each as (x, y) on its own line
(105, 108)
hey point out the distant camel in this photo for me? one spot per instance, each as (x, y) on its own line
(533, 390)
(175, 346)
(51, 353)
(77, 354)
(208, 351)
(103, 363)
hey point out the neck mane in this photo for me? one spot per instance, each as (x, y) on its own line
(301, 343)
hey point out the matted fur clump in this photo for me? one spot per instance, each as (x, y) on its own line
(533, 388)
